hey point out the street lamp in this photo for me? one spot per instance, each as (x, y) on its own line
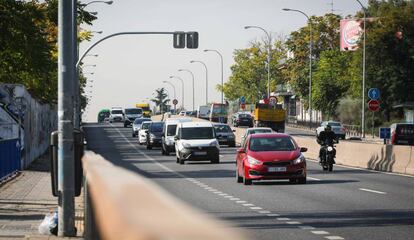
(90, 73)
(98, 32)
(182, 89)
(89, 65)
(107, 2)
(172, 85)
(269, 49)
(91, 55)
(363, 75)
(310, 62)
(192, 75)
(205, 66)
(221, 58)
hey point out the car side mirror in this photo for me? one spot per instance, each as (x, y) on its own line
(241, 150)
(303, 149)
(176, 137)
(234, 130)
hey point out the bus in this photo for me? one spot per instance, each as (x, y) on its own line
(103, 114)
(145, 109)
(218, 112)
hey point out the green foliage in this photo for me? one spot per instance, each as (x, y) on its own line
(330, 81)
(249, 73)
(160, 97)
(28, 45)
(349, 111)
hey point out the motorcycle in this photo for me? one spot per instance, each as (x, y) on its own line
(328, 158)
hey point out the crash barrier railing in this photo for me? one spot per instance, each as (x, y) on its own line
(9, 157)
(121, 204)
(352, 130)
(78, 142)
(294, 122)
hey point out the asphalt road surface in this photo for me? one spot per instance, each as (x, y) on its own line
(345, 204)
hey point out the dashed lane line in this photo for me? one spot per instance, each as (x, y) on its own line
(372, 191)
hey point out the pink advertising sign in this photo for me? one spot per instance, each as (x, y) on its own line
(351, 31)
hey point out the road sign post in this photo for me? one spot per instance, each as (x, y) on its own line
(385, 133)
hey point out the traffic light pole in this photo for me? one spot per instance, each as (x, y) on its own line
(66, 69)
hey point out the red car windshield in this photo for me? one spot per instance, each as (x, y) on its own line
(272, 144)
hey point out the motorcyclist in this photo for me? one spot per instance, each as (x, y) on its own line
(326, 137)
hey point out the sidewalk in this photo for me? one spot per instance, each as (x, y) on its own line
(26, 199)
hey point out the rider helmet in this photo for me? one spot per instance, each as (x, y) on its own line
(328, 128)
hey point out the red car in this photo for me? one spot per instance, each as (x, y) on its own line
(270, 156)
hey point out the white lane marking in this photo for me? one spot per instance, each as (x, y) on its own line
(223, 194)
(372, 191)
(283, 219)
(315, 179)
(256, 208)
(273, 215)
(334, 237)
(264, 212)
(248, 205)
(306, 227)
(234, 199)
(221, 156)
(320, 232)
(217, 192)
(367, 170)
(229, 196)
(213, 190)
(294, 223)
(241, 201)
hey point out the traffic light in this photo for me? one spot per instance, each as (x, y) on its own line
(179, 39)
(192, 40)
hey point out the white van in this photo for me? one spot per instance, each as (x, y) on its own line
(116, 115)
(170, 128)
(196, 141)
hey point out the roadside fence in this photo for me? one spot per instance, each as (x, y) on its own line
(9, 158)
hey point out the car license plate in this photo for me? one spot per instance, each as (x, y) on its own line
(277, 169)
(200, 153)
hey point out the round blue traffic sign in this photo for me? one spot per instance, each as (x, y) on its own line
(374, 93)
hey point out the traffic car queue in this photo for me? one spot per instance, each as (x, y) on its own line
(263, 154)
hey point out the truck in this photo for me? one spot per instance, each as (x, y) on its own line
(145, 109)
(266, 115)
(218, 112)
(203, 112)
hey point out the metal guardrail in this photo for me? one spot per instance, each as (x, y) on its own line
(9, 157)
(121, 204)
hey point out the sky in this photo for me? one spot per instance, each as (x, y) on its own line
(129, 68)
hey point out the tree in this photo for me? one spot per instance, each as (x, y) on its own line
(330, 81)
(160, 99)
(28, 45)
(249, 73)
(324, 37)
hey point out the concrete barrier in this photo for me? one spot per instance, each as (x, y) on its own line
(387, 158)
(128, 206)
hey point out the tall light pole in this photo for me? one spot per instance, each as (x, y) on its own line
(182, 89)
(205, 67)
(363, 74)
(192, 75)
(222, 83)
(269, 49)
(172, 85)
(310, 62)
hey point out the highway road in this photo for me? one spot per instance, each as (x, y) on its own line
(345, 204)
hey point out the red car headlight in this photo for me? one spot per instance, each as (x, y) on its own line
(298, 160)
(253, 161)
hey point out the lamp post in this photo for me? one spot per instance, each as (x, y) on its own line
(363, 75)
(182, 89)
(269, 49)
(310, 62)
(98, 32)
(205, 67)
(192, 75)
(91, 55)
(221, 58)
(172, 85)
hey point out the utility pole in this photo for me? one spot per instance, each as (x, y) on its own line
(66, 69)
(76, 85)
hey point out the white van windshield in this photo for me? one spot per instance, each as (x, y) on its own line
(197, 133)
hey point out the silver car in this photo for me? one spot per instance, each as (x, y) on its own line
(136, 125)
(337, 128)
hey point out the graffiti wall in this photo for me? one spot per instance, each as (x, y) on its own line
(37, 120)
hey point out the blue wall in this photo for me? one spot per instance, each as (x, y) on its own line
(9, 157)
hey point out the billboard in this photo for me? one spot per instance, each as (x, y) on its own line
(351, 32)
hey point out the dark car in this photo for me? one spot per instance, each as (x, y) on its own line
(224, 134)
(154, 134)
(242, 119)
(402, 134)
